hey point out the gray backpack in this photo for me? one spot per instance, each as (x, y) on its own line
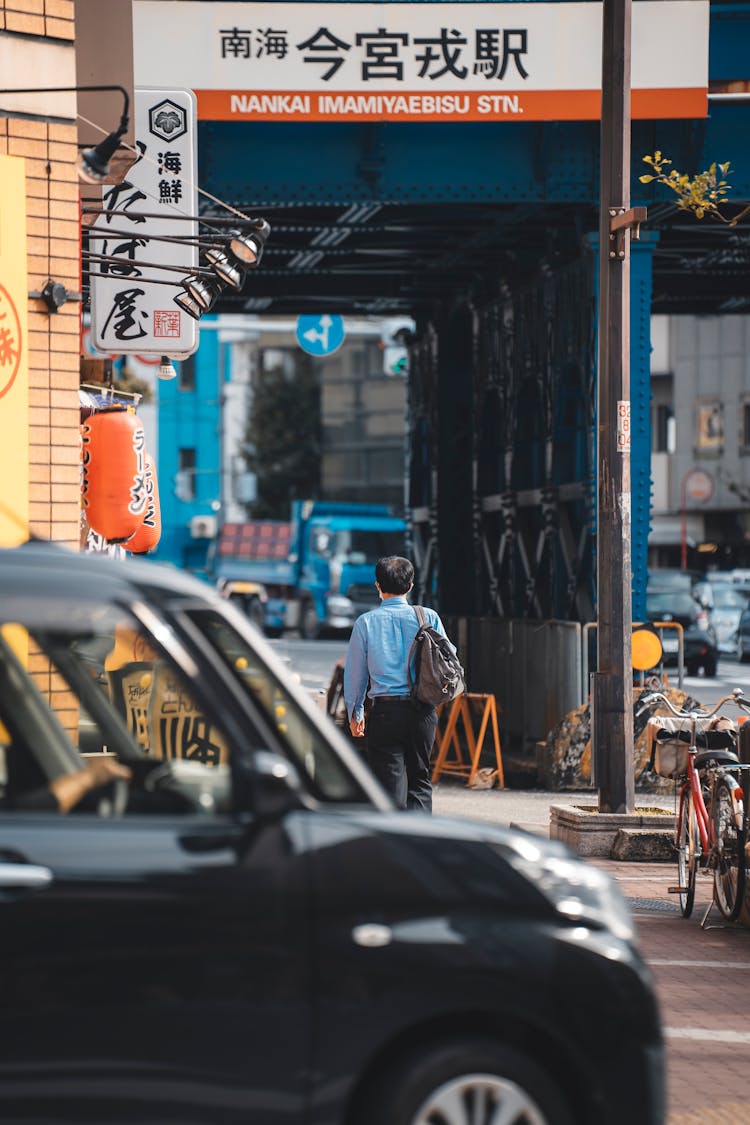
(438, 676)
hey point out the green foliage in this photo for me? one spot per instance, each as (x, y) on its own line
(702, 194)
(284, 437)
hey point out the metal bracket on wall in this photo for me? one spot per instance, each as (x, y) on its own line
(621, 220)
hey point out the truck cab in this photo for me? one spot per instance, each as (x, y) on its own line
(317, 570)
(340, 544)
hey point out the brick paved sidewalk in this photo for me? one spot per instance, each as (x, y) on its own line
(701, 978)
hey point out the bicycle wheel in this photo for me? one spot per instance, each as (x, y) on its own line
(729, 849)
(687, 855)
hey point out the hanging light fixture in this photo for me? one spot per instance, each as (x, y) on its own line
(93, 163)
(232, 275)
(166, 369)
(204, 293)
(248, 248)
(188, 305)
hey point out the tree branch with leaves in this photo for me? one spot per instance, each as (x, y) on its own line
(703, 194)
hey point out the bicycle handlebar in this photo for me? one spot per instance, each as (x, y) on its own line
(737, 697)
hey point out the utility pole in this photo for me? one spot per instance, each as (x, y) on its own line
(612, 686)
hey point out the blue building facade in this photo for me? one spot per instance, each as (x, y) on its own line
(190, 450)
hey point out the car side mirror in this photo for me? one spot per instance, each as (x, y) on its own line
(277, 785)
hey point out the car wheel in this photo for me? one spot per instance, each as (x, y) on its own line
(466, 1082)
(309, 626)
(692, 668)
(742, 656)
(709, 667)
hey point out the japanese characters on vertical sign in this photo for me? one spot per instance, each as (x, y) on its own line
(132, 310)
(623, 426)
(418, 61)
(14, 378)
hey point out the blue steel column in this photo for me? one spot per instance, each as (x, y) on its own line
(641, 274)
(641, 277)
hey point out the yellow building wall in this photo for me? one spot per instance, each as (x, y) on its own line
(47, 140)
(14, 351)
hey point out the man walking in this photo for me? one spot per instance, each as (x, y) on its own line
(400, 730)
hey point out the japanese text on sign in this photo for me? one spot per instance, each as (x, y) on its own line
(427, 61)
(132, 307)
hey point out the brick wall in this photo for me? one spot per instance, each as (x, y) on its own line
(52, 208)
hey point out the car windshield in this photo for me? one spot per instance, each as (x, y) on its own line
(727, 598)
(670, 604)
(358, 546)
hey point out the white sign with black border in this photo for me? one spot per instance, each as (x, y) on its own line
(132, 300)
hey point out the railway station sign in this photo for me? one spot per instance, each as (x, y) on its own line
(418, 61)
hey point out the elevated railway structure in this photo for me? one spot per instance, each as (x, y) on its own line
(485, 232)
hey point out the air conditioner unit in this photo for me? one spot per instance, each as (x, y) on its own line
(203, 527)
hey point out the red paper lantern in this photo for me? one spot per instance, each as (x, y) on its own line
(149, 533)
(113, 483)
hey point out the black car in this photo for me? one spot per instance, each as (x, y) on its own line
(675, 606)
(743, 636)
(245, 931)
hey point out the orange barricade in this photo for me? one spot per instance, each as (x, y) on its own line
(466, 707)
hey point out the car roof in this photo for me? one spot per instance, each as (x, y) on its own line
(50, 571)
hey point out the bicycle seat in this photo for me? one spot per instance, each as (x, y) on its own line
(715, 757)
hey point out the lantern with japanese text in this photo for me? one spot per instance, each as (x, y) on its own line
(113, 486)
(149, 533)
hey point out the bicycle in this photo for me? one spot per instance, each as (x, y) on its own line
(709, 835)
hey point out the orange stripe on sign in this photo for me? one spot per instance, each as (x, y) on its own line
(515, 105)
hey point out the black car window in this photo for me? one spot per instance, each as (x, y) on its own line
(326, 774)
(97, 695)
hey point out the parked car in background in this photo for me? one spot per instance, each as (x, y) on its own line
(673, 578)
(743, 635)
(700, 648)
(250, 597)
(244, 930)
(725, 602)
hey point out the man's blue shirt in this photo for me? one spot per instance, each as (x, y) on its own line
(379, 649)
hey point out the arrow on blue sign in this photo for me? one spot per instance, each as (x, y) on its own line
(320, 335)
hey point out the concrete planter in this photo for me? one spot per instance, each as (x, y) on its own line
(592, 833)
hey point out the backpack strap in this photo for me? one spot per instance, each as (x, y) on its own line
(422, 619)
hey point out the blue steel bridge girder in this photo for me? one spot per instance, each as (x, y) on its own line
(543, 162)
(502, 456)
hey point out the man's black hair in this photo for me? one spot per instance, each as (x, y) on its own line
(394, 575)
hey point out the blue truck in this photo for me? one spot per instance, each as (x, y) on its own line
(314, 573)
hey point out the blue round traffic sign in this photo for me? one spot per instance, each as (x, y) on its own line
(320, 335)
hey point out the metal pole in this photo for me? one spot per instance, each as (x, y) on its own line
(683, 522)
(612, 718)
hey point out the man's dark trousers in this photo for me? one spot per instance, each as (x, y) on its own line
(400, 735)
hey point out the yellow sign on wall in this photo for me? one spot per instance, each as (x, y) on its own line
(14, 369)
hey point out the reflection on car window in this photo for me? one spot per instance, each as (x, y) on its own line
(326, 773)
(108, 692)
